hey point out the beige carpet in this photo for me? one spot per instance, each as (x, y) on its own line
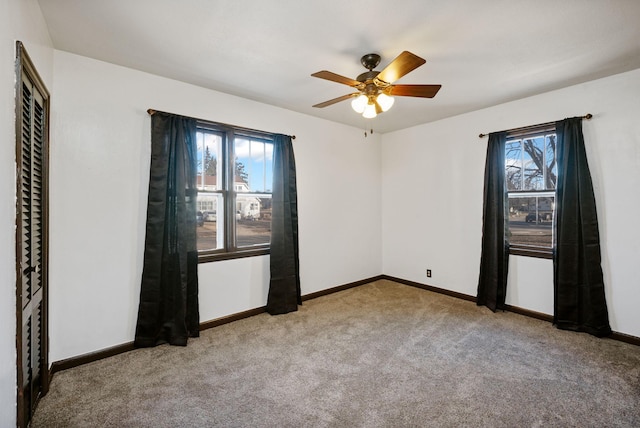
(379, 355)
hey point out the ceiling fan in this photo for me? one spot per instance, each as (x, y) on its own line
(376, 88)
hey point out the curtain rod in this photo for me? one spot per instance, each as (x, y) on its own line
(525, 128)
(152, 112)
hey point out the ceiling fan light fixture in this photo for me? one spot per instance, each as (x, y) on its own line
(359, 104)
(385, 101)
(370, 111)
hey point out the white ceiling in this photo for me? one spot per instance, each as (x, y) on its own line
(483, 52)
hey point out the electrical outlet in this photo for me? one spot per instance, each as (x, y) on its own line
(428, 273)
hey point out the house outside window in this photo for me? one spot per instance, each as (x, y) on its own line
(531, 175)
(234, 182)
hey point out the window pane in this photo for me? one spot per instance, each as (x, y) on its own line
(210, 208)
(256, 167)
(513, 160)
(253, 165)
(533, 163)
(209, 152)
(210, 216)
(531, 221)
(253, 220)
(550, 162)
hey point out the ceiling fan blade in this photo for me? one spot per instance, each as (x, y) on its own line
(336, 100)
(422, 91)
(403, 64)
(327, 75)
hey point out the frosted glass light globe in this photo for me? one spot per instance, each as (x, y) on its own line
(359, 104)
(385, 101)
(370, 111)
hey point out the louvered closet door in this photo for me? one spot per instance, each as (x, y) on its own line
(31, 247)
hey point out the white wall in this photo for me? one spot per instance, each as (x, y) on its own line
(19, 20)
(100, 173)
(432, 183)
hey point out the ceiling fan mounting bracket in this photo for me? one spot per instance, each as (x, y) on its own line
(370, 61)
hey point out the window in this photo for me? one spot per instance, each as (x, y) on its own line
(235, 174)
(531, 175)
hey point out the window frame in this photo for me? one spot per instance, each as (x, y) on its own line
(523, 249)
(228, 134)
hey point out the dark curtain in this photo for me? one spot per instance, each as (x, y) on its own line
(168, 311)
(284, 286)
(579, 299)
(494, 261)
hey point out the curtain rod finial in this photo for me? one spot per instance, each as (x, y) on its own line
(588, 116)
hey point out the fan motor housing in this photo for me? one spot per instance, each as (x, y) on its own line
(367, 75)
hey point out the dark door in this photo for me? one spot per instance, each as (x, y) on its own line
(31, 236)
